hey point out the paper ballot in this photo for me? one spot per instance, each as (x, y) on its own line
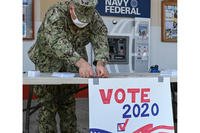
(33, 73)
(63, 74)
(168, 73)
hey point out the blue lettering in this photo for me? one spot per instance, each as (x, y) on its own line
(155, 109)
(126, 115)
(144, 110)
(146, 107)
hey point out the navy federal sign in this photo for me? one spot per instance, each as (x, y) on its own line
(125, 8)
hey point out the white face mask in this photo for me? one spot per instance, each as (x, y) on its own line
(78, 23)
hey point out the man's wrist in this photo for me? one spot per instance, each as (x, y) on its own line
(101, 63)
(79, 62)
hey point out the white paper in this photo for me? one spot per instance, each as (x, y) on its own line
(168, 73)
(63, 74)
(33, 73)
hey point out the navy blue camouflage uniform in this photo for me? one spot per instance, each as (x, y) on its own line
(59, 45)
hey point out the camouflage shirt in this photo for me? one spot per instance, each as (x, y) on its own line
(60, 43)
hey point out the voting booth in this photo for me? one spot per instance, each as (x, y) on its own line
(130, 105)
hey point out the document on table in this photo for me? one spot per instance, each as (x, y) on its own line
(168, 73)
(63, 74)
(33, 73)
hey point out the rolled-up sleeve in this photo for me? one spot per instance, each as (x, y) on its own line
(55, 32)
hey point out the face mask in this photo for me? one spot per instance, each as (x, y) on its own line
(78, 23)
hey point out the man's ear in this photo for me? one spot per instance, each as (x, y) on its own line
(71, 10)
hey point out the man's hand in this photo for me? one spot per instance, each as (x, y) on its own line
(85, 69)
(101, 70)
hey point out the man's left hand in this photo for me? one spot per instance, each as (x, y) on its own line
(101, 70)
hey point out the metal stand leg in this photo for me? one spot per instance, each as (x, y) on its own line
(28, 110)
(174, 103)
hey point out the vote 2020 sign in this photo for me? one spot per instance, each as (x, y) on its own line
(130, 105)
(124, 8)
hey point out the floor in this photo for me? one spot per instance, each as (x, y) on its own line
(82, 109)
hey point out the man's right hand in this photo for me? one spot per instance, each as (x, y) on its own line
(85, 69)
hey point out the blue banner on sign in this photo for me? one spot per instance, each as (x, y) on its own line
(125, 8)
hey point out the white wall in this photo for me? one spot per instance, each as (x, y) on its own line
(162, 53)
(27, 64)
